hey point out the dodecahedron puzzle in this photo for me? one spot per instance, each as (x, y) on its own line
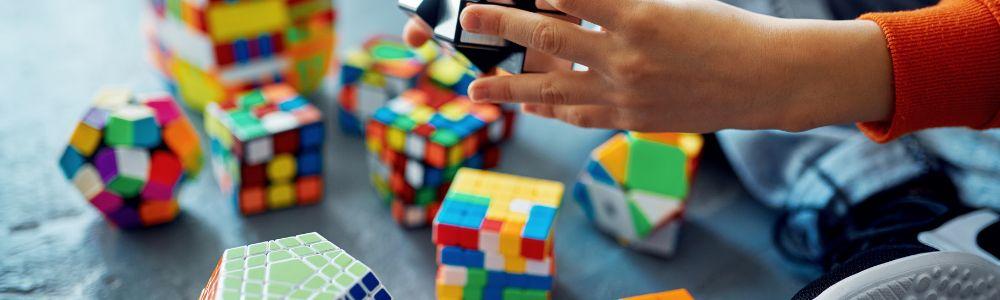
(385, 68)
(306, 266)
(129, 156)
(495, 237)
(679, 294)
(634, 187)
(267, 149)
(485, 52)
(417, 143)
(211, 50)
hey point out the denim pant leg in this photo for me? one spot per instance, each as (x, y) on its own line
(971, 158)
(808, 169)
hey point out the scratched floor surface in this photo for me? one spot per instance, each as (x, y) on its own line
(56, 54)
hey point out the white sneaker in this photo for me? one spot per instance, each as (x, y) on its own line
(966, 268)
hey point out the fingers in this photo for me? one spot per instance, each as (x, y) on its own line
(606, 13)
(537, 62)
(545, 34)
(416, 32)
(554, 88)
(588, 116)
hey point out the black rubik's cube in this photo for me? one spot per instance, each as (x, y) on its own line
(484, 51)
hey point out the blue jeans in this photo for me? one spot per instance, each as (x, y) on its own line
(808, 169)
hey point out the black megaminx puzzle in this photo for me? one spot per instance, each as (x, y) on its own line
(484, 51)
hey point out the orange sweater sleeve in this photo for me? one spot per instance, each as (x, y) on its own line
(946, 67)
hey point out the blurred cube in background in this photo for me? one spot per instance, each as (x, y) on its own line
(212, 50)
(130, 155)
(267, 149)
(417, 143)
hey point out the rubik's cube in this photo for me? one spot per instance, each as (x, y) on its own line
(680, 294)
(485, 52)
(385, 68)
(306, 266)
(211, 50)
(634, 187)
(417, 143)
(267, 149)
(381, 70)
(129, 156)
(494, 234)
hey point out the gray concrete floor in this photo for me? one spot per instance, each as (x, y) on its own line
(55, 54)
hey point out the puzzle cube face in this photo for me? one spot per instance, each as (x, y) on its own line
(680, 294)
(210, 50)
(381, 70)
(267, 149)
(129, 156)
(484, 51)
(635, 184)
(385, 68)
(306, 266)
(494, 234)
(417, 143)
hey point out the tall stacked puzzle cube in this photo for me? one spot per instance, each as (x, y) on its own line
(417, 143)
(484, 51)
(634, 187)
(385, 68)
(494, 234)
(212, 50)
(306, 266)
(267, 149)
(129, 156)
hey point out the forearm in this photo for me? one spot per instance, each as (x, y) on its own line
(835, 72)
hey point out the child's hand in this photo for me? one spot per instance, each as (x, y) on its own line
(694, 66)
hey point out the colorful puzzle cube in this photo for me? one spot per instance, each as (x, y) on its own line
(381, 70)
(485, 52)
(129, 156)
(385, 68)
(306, 266)
(267, 149)
(211, 50)
(417, 142)
(634, 187)
(494, 234)
(680, 294)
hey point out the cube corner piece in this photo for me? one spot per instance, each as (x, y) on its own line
(678, 294)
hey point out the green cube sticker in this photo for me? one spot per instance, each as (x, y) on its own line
(657, 168)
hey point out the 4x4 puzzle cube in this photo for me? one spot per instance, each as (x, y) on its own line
(634, 187)
(267, 149)
(306, 266)
(495, 237)
(130, 155)
(211, 50)
(385, 68)
(418, 141)
(485, 52)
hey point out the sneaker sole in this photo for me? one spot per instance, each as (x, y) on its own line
(933, 275)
